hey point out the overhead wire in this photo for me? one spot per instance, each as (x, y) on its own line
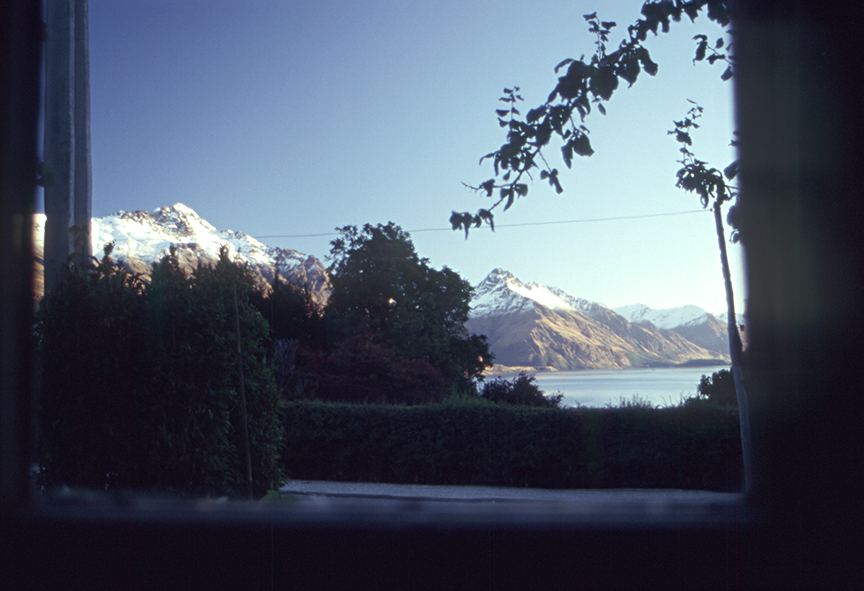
(582, 221)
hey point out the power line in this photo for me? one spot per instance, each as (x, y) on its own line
(584, 221)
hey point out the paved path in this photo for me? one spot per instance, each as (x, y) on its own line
(420, 492)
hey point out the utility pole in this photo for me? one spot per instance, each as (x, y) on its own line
(67, 136)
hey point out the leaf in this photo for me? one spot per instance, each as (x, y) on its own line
(647, 64)
(563, 63)
(607, 24)
(544, 174)
(628, 69)
(604, 82)
(719, 43)
(567, 153)
(582, 145)
(508, 91)
(488, 186)
(543, 133)
(521, 189)
(601, 108)
(486, 215)
(700, 50)
(727, 74)
(535, 114)
(731, 171)
(502, 112)
(692, 10)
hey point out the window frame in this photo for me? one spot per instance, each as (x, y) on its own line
(800, 525)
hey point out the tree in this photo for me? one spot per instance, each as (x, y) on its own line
(711, 185)
(158, 407)
(383, 289)
(718, 389)
(584, 84)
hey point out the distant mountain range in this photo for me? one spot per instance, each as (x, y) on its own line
(544, 328)
(142, 238)
(528, 325)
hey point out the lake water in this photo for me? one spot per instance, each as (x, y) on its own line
(599, 387)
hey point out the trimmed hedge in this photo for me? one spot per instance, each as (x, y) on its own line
(686, 447)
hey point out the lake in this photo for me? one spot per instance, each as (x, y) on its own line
(599, 387)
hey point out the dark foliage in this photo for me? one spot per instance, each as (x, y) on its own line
(485, 444)
(718, 389)
(359, 370)
(140, 383)
(385, 292)
(581, 86)
(521, 390)
(292, 313)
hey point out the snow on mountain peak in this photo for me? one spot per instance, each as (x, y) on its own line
(501, 292)
(666, 318)
(142, 238)
(149, 236)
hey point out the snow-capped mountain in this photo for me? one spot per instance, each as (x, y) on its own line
(142, 238)
(692, 322)
(531, 325)
(502, 293)
(667, 318)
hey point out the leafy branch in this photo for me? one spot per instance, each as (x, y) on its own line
(695, 176)
(582, 85)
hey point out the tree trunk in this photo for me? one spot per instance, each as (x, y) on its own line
(735, 350)
(243, 411)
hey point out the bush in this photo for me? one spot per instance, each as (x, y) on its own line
(719, 389)
(359, 370)
(521, 391)
(140, 383)
(484, 444)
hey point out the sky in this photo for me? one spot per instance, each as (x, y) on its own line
(285, 119)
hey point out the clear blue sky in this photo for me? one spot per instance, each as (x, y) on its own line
(293, 118)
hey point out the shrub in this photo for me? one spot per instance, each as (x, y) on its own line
(521, 391)
(718, 389)
(359, 370)
(485, 444)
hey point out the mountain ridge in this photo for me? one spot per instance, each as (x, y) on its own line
(142, 238)
(531, 325)
(528, 325)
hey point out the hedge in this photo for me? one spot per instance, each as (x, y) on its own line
(481, 444)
